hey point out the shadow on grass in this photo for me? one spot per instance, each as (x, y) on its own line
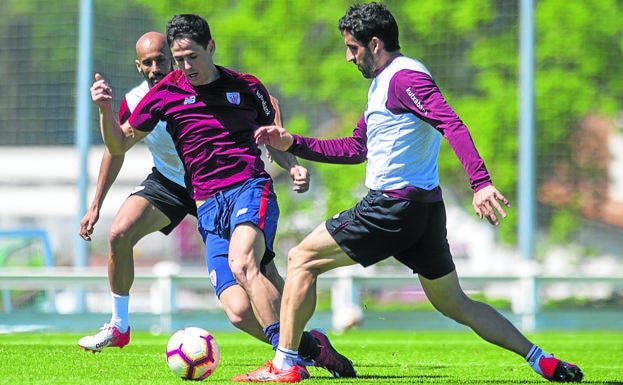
(428, 379)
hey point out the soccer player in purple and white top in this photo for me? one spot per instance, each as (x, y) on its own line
(403, 215)
(212, 113)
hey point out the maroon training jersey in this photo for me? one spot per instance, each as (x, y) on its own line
(212, 126)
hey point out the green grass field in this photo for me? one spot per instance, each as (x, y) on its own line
(390, 357)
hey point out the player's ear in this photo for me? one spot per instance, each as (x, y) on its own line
(211, 47)
(138, 65)
(375, 43)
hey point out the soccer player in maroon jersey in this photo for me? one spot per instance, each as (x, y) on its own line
(212, 113)
(160, 203)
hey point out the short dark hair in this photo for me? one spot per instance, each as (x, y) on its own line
(188, 26)
(365, 21)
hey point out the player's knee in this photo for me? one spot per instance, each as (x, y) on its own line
(301, 262)
(125, 234)
(237, 320)
(294, 258)
(454, 309)
(238, 313)
(119, 237)
(117, 230)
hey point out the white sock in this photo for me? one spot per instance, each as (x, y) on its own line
(120, 317)
(285, 358)
(534, 356)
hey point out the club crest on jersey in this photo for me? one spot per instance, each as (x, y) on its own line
(233, 97)
(190, 100)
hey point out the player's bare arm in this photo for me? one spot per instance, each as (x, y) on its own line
(118, 138)
(109, 169)
(287, 161)
(274, 136)
(485, 204)
(299, 174)
(300, 177)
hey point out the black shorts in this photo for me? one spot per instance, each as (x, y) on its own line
(379, 227)
(172, 199)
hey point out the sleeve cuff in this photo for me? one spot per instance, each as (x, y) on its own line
(295, 142)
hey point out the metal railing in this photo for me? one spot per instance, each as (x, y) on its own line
(165, 279)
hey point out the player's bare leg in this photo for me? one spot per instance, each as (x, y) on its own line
(447, 296)
(271, 272)
(237, 305)
(246, 250)
(238, 309)
(316, 254)
(135, 219)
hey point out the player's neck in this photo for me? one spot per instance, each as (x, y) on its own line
(215, 74)
(384, 59)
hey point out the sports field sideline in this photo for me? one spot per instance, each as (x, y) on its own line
(380, 357)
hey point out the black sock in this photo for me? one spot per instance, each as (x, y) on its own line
(309, 348)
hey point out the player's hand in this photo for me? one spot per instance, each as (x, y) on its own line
(300, 176)
(485, 204)
(87, 223)
(274, 136)
(101, 93)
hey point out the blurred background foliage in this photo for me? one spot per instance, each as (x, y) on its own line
(294, 47)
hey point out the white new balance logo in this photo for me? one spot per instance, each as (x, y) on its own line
(190, 100)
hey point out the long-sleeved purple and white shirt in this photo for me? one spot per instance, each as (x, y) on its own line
(400, 134)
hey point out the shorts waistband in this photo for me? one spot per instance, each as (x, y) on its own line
(416, 194)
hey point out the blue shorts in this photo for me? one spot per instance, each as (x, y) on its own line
(253, 201)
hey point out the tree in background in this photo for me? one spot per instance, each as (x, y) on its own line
(471, 47)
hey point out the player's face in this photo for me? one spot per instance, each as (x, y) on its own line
(194, 60)
(360, 55)
(154, 62)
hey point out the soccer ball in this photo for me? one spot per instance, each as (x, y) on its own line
(192, 353)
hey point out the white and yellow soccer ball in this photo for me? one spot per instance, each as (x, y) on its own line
(192, 353)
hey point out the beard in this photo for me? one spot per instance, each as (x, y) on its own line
(155, 78)
(366, 65)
